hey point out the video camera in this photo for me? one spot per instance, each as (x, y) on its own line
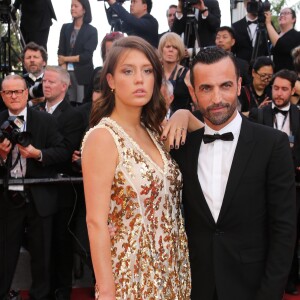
(187, 6)
(11, 129)
(258, 8)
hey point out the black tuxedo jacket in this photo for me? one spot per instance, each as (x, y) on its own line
(36, 14)
(243, 45)
(206, 27)
(46, 137)
(85, 45)
(71, 127)
(247, 254)
(267, 118)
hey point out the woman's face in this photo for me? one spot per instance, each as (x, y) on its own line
(132, 81)
(286, 17)
(262, 77)
(77, 10)
(170, 53)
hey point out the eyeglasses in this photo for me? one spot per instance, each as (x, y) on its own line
(264, 76)
(10, 93)
(285, 13)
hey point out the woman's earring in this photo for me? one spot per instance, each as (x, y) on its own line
(112, 90)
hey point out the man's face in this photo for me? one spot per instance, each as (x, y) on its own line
(53, 87)
(282, 91)
(33, 62)
(224, 40)
(171, 16)
(138, 8)
(216, 92)
(17, 101)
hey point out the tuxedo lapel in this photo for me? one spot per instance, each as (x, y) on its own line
(192, 167)
(268, 116)
(240, 160)
(294, 119)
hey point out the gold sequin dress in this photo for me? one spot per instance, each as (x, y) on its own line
(149, 251)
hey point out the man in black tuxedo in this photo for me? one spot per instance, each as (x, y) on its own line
(34, 59)
(138, 22)
(208, 19)
(30, 206)
(285, 116)
(246, 34)
(36, 19)
(171, 11)
(56, 81)
(238, 192)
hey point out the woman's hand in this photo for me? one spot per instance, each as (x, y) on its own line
(265, 102)
(175, 130)
(268, 16)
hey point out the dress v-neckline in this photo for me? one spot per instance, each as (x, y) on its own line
(140, 149)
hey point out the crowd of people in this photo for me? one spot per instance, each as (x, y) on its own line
(188, 144)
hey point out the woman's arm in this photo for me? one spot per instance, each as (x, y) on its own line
(273, 35)
(99, 161)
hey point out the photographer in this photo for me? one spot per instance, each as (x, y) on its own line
(34, 58)
(138, 22)
(32, 206)
(284, 42)
(208, 18)
(246, 33)
(36, 19)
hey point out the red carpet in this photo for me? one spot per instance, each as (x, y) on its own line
(77, 294)
(85, 294)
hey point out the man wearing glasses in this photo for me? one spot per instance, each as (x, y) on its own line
(30, 206)
(257, 93)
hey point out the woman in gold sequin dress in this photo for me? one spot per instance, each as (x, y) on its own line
(131, 182)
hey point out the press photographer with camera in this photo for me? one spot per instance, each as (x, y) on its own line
(34, 58)
(207, 17)
(246, 30)
(284, 42)
(23, 205)
(139, 21)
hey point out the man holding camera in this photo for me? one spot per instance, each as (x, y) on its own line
(31, 206)
(34, 58)
(138, 22)
(246, 35)
(206, 14)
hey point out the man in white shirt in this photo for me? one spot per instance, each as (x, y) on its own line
(238, 192)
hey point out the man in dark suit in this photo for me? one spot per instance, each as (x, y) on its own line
(36, 19)
(246, 30)
(138, 22)
(171, 11)
(285, 116)
(225, 39)
(238, 192)
(208, 19)
(70, 121)
(29, 206)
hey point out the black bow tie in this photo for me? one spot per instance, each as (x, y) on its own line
(251, 22)
(277, 110)
(209, 138)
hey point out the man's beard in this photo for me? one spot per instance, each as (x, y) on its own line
(220, 117)
(284, 103)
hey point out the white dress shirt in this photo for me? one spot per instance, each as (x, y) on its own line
(19, 170)
(282, 122)
(214, 164)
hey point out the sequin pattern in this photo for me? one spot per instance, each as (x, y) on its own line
(149, 251)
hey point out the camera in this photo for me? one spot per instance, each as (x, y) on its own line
(36, 91)
(11, 129)
(5, 7)
(257, 7)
